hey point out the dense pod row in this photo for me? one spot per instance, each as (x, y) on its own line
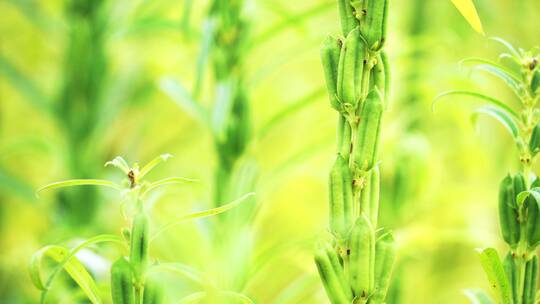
(332, 275)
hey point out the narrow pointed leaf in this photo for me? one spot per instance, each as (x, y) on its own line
(467, 9)
(154, 162)
(478, 296)
(201, 214)
(168, 181)
(495, 272)
(183, 99)
(120, 163)
(512, 50)
(501, 116)
(80, 182)
(489, 99)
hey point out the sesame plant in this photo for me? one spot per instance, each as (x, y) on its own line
(514, 278)
(355, 263)
(130, 273)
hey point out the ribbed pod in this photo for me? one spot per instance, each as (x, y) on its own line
(508, 212)
(139, 243)
(121, 282)
(332, 275)
(385, 255)
(341, 198)
(367, 139)
(330, 52)
(361, 259)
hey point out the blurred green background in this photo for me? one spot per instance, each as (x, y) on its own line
(82, 82)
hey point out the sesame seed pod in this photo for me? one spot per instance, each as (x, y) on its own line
(350, 68)
(344, 137)
(508, 216)
(330, 52)
(373, 28)
(122, 290)
(332, 275)
(139, 244)
(531, 281)
(385, 255)
(341, 198)
(152, 293)
(362, 258)
(346, 14)
(367, 138)
(534, 143)
(369, 195)
(512, 274)
(535, 82)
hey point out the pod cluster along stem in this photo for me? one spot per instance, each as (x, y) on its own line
(355, 265)
(514, 279)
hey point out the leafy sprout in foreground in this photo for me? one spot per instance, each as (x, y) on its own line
(129, 280)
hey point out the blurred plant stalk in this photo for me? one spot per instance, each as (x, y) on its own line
(356, 263)
(514, 280)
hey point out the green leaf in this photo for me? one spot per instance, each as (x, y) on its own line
(154, 162)
(507, 78)
(499, 67)
(72, 266)
(25, 86)
(202, 214)
(204, 55)
(512, 50)
(120, 163)
(193, 298)
(198, 296)
(534, 192)
(478, 296)
(501, 116)
(467, 9)
(80, 182)
(168, 181)
(10, 183)
(489, 99)
(182, 269)
(489, 258)
(183, 99)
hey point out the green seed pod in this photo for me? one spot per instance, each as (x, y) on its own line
(330, 51)
(344, 137)
(531, 281)
(508, 216)
(122, 282)
(341, 198)
(367, 138)
(378, 78)
(332, 275)
(534, 143)
(346, 14)
(362, 258)
(535, 81)
(139, 244)
(369, 195)
(385, 255)
(351, 64)
(373, 28)
(387, 78)
(512, 274)
(519, 184)
(533, 223)
(152, 293)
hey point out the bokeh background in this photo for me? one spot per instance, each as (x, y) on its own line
(84, 81)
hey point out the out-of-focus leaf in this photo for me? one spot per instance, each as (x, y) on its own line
(72, 266)
(186, 16)
(222, 108)
(495, 65)
(198, 296)
(154, 162)
(193, 298)
(501, 116)
(478, 296)
(467, 9)
(512, 50)
(508, 79)
(120, 163)
(25, 86)
(10, 183)
(182, 98)
(184, 270)
(522, 196)
(489, 258)
(201, 214)
(169, 181)
(80, 182)
(489, 99)
(202, 59)
(290, 110)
